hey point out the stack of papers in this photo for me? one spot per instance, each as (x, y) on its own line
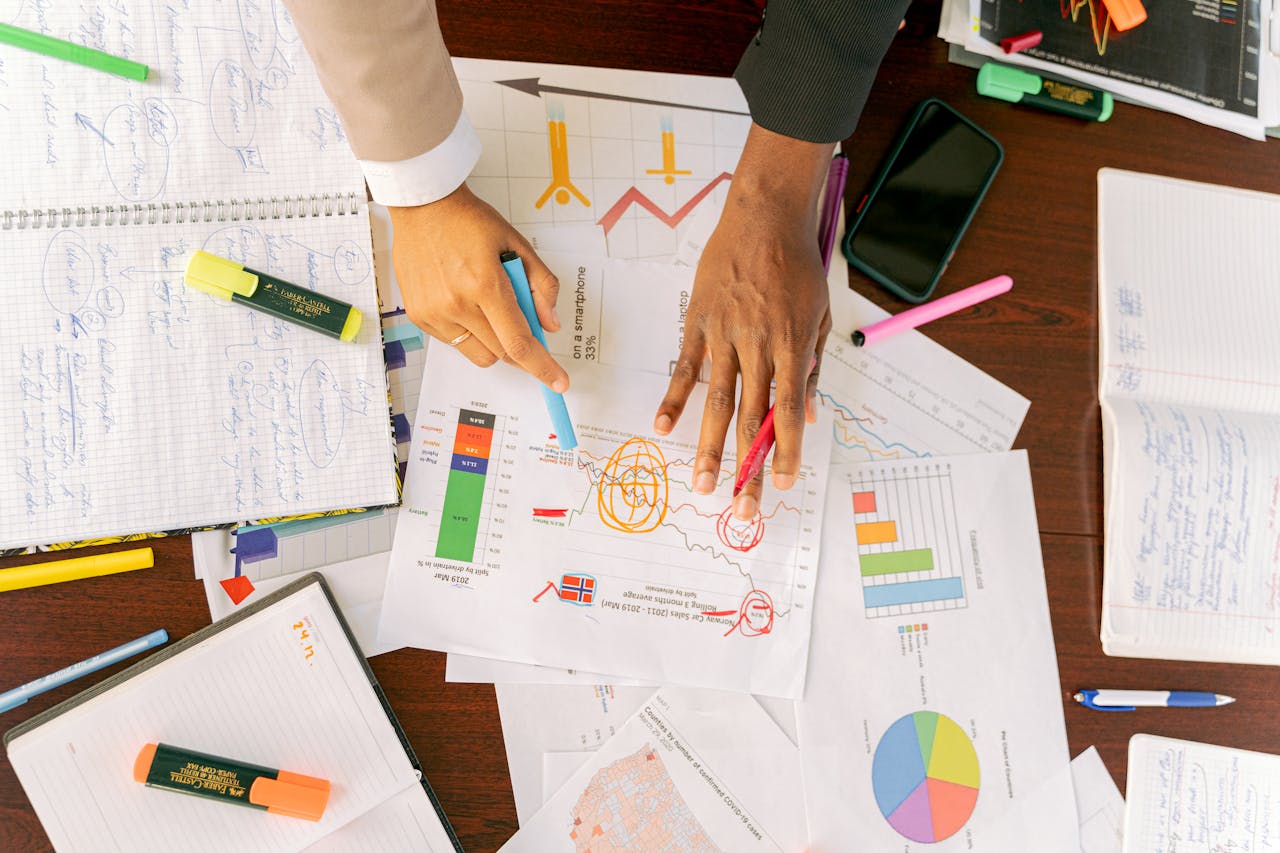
(653, 653)
(1216, 63)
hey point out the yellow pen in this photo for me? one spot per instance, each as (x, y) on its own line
(76, 568)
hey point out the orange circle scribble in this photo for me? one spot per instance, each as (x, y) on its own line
(632, 492)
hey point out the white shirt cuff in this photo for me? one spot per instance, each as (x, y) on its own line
(428, 177)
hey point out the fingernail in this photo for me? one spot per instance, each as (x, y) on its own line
(663, 424)
(783, 481)
(745, 507)
(560, 386)
(705, 483)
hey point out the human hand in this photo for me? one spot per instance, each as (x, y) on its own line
(446, 260)
(759, 308)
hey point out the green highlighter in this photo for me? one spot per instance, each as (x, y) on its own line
(1021, 87)
(72, 52)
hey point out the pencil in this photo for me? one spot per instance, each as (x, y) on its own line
(77, 568)
(72, 52)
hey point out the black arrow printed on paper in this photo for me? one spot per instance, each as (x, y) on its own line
(533, 86)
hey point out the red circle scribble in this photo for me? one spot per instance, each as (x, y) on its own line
(755, 616)
(738, 534)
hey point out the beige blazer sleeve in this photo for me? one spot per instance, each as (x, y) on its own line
(384, 65)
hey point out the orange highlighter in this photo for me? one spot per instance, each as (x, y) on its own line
(160, 765)
(1125, 14)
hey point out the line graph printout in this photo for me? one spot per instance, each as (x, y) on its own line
(628, 154)
(232, 102)
(924, 762)
(599, 559)
(692, 771)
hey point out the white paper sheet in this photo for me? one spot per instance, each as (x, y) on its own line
(1199, 798)
(944, 731)
(691, 770)
(1098, 804)
(218, 413)
(282, 689)
(620, 564)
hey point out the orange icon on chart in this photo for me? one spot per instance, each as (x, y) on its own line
(668, 170)
(558, 140)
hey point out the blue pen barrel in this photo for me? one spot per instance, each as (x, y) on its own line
(1191, 699)
(556, 407)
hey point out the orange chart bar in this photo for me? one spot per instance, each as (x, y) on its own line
(864, 502)
(877, 532)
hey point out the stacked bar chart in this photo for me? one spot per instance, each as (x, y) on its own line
(909, 547)
(464, 492)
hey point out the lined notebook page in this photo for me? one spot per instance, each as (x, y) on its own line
(283, 689)
(132, 403)
(1188, 292)
(1190, 394)
(1197, 798)
(408, 821)
(232, 108)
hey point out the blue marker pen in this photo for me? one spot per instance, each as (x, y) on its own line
(19, 695)
(556, 408)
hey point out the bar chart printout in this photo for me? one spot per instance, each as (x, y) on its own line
(908, 541)
(464, 492)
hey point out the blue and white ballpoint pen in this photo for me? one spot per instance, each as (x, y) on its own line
(19, 695)
(1128, 700)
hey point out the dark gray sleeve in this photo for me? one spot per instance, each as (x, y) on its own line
(808, 71)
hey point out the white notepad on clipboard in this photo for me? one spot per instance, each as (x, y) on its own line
(280, 684)
(130, 403)
(1190, 396)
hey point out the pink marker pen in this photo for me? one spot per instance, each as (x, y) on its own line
(922, 314)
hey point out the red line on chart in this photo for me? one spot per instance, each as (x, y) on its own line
(634, 196)
(719, 613)
(541, 512)
(550, 585)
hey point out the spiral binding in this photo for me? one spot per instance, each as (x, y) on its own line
(166, 213)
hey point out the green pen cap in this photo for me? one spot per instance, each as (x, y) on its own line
(1005, 83)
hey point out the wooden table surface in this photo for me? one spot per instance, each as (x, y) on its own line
(1037, 224)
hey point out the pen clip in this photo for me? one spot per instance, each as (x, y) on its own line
(1087, 697)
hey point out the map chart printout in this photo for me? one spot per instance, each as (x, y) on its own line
(603, 558)
(693, 771)
(925, 761)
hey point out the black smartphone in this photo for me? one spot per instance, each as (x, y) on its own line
(919, 204)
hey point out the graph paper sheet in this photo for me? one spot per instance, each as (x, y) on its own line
(932, 583)
(601, 558)
(136, 404)
(232, 107)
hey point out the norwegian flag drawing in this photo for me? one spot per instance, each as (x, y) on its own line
(578, 589)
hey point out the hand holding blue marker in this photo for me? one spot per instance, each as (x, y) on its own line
(524, 297)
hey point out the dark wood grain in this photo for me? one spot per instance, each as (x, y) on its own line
(1037, 225)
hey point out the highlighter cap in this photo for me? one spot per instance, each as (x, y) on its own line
(1005, 83)
(219, 277)
(292, 795)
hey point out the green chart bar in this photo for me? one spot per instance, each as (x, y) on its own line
(464, 491)
(896, 562)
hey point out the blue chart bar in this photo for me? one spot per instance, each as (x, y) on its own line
(913, 592)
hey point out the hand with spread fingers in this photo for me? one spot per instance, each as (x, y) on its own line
(760, 311)
(455, 289)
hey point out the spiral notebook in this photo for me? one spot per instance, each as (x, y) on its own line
(132, 404)
(280, 684)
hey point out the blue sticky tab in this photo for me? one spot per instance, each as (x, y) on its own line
(556, 408)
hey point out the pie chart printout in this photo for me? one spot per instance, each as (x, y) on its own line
(925, 777)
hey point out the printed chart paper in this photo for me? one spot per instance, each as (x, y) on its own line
(932, 719)
(601, 558)
(691, 770)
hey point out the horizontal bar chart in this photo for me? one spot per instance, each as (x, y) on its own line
(877, 532)
(913, 592)
(896, 562)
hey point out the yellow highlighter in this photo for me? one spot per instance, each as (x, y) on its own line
(237, 283)
(77, 568)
